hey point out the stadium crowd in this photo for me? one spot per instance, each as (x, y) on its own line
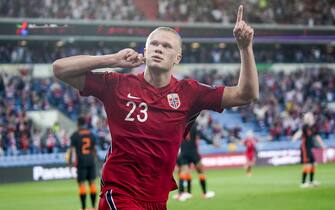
(19, 135)
(72, 9)
(262, 11)
(307, 12)
(47, 52)
(286, 98)
(283, 100)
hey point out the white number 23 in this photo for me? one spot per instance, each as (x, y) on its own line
(142, 116)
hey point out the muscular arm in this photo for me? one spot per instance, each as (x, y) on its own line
(72, 70)
(247, 88)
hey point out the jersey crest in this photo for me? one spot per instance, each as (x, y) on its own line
(174, 101)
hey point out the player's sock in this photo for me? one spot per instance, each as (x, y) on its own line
(202, 179)
(303, 177)
(311, 175)
(82, 195)
(249, 171)
(83, 201)
(182, 178)
(189, 182)
(304, 174)
(93, 193)
(189, 186)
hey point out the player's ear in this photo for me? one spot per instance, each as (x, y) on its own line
(178, 59)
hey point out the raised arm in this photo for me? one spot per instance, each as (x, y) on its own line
(72, 70)
(247, 89)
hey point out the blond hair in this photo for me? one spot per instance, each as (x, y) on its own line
(309, 118)
(168, 29)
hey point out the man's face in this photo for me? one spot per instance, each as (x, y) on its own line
(162, 50)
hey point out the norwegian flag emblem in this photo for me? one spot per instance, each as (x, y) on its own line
(173, 100)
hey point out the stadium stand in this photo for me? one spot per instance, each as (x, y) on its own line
(275, 117)
(22, 93)
(285, 97)
(222, 11)
(32, 52)
(74, 9)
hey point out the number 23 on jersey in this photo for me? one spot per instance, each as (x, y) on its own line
(142, 116)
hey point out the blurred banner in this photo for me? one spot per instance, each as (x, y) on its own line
(36, 173)
(125, 31)
(210, 161)
(269, 157)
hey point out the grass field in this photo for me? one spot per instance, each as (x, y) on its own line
(270, 188)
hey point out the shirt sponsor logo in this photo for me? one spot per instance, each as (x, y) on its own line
(174, 101)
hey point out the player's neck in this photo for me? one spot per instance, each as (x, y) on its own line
(157, 79)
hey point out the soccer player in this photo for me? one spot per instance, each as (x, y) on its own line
(250, 152)
(189, 154)
(148, 113)
(83, 144)
(308, 134)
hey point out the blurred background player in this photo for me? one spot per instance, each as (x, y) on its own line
(308, 135)
(83, 144)
(189, 154)
(250, 152)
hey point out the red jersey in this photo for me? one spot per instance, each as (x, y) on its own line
(147, 125)
(250, 143)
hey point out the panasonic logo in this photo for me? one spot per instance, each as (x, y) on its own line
(40, 173)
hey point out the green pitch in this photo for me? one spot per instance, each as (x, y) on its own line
(270, 188)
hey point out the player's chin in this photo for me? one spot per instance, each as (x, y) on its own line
(158, 67)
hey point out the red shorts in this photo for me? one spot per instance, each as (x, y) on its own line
(109, 201)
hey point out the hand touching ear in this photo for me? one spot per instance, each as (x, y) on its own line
(128, 58)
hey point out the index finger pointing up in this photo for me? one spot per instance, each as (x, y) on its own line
(239, 14)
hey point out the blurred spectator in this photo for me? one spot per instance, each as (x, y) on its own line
(11, 144)
(2, 143)
(284, 98)
(24, 93)
(36, 52)
(36, 146)
(51, 141)
(2, 87)
(308, 12)
(234, 135)
(64, 140)
(71, 9)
